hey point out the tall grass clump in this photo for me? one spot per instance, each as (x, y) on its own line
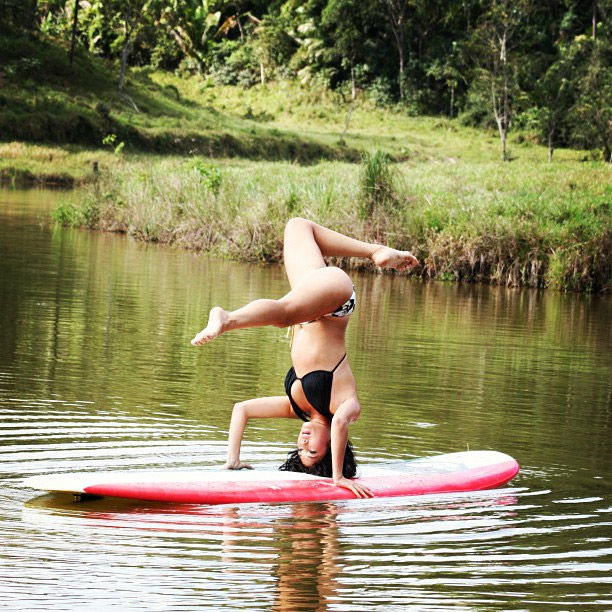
(378, 183)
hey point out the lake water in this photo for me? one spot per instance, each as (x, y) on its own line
(96, 372)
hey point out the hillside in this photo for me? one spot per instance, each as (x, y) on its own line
(45, 100)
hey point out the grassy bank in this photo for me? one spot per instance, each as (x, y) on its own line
(67, 166)
(520, 224)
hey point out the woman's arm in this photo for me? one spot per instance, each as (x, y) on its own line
(261, 408)
(347, 413)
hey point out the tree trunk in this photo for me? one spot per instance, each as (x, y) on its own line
(594, 19)
(396, 13)
(503, 135)
(74, 31)
(124, 56)
(550, 146)
(240, 26)
(505, 110)
(401, 72)
(262, 73)
(353, 83)
(501, 119)
(347, 122)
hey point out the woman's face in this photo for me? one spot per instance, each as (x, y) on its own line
(313, 441)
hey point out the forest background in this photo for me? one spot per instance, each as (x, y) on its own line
(211, 81)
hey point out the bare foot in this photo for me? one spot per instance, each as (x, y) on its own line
(386, 257)
(217, 324)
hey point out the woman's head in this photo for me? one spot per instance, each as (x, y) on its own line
(313, 441)
(313, 453)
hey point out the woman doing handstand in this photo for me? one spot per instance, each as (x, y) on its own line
(320, 387)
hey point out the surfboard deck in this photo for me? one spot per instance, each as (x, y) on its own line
(454, 472)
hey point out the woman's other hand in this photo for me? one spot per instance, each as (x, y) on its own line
(355, 486)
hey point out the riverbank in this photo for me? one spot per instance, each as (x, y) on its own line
(523, 224)
(220, 169)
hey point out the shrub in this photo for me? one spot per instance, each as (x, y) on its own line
(210, 175)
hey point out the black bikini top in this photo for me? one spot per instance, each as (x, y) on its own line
(317, 386)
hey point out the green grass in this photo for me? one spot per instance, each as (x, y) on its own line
(68, 165)
(521, 224)
(45, 100)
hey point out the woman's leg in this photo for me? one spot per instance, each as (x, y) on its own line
(315, 289)
(320, 291)
(306, 243)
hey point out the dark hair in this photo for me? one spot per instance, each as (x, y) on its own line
(323, 467)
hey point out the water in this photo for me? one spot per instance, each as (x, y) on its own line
(96, 372)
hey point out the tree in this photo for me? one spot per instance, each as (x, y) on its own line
(497, 63)
(129, 13)
(395, 11)
(18, 14)
(342, 19)
(593, 106)
(446, 70)
(553, 97)
(75, 21)
(273, 46)
(192, 24)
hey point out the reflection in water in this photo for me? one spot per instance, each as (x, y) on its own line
(96, 372)
(308, 559)
(313, 553)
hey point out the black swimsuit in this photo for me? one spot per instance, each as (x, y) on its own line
(317, 387)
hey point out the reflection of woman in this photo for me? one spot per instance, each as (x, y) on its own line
(308, 558)
(320, 386)
(304, 543)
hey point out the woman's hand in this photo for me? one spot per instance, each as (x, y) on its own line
(236, 465)
(353, 485)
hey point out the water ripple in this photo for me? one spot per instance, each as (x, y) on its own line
(96, 373)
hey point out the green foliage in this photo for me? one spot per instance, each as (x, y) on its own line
(210, 175)
(234, 63)
(66, 214)
(84, 214)
(496, 63)
(593, 105)
(21, 14)
(110, 140)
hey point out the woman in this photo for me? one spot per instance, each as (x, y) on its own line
(320, 387)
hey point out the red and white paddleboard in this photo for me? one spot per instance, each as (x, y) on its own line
(455, 472)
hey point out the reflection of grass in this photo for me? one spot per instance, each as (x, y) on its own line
(520, 224)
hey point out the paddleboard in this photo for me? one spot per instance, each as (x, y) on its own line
(454, 472)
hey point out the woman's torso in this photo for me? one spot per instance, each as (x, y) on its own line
(320, 345)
